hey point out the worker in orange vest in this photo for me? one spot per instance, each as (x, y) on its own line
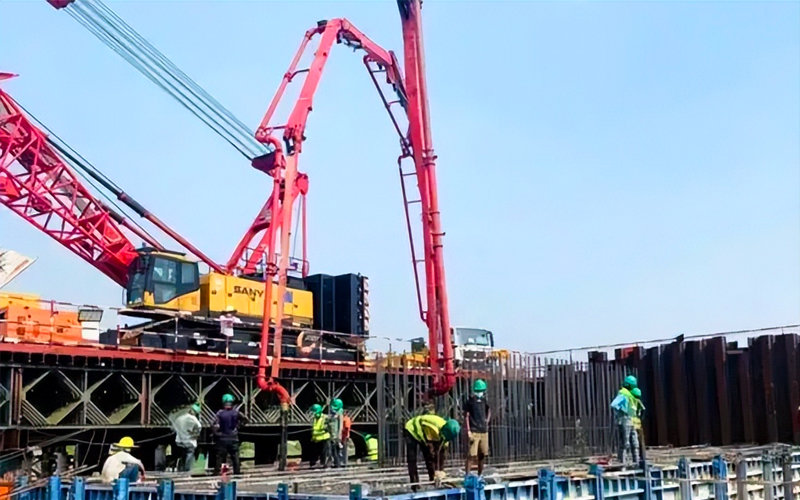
(346, 424)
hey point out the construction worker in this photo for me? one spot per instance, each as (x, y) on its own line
(638, 413)
(320, 438)
(335, 427)
(226, 433)
(121, 464)
(347, 424)
(187, 429)
(430, 434)
(372, 447)
(476, 416)
(623, 407)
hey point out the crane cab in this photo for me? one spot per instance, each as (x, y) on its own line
(160, 279)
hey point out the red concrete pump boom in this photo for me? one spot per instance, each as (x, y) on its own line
(275, 220)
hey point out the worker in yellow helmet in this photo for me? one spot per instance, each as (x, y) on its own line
(430, 434)
(121, 464)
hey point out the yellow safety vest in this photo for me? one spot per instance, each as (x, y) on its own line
(372, 449)
(319, 429)
(425, 428)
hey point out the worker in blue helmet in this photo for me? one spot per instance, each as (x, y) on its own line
(430, 434)
(624, 408)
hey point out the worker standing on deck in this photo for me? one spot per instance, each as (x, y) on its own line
(623, 407)
(320, 438)
(226, 433)
(476, 416)
(121, 464)
(430, 434)
(347, 424)
(638, 414)
(187, 429)
(335, 426)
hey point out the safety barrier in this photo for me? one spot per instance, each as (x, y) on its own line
(771, 476)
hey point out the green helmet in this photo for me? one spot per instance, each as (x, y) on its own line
(337, 404)
(227, 399)
(630, 382)
(451, 430)
(479, 385)
(637, 392)
(367, 437)
(316, 409)
(196, 408)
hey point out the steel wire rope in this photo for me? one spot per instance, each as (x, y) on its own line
(161, 81)
(150, 66)
(119, 36)
(181, 76)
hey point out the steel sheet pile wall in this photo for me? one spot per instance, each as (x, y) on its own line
(541, 407)
(712, 392)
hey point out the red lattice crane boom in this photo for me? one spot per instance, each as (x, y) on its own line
(38, 185)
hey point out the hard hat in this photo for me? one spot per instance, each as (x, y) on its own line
(479, 385)
(196, 408)
(637, 392)
(317, 409)
(367, 437)
(451, 430)
(630, 382)
(126, 442)
(227, 398)
(230, 309)
(337, 404)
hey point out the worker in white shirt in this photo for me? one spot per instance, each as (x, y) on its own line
(226, 324)
(121, 464)
(187, 429)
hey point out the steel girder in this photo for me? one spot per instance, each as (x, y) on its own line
(34, 396)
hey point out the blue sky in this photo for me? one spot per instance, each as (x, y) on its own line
(608, 171)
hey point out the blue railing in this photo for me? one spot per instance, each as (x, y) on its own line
(769, 477)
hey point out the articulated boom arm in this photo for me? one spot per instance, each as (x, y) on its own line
(276, 217)
(38, 186)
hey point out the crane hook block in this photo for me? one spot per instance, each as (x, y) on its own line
(59, 4)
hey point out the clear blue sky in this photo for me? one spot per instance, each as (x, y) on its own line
(608, 171)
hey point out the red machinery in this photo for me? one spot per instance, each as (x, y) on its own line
(288, 183)
(40, 187)
(273, 224)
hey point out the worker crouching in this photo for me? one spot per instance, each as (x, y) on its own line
(121, 464)
(429, 434)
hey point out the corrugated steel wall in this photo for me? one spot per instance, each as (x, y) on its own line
(710, 392)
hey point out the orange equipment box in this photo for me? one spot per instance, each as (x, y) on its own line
(33, 324)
